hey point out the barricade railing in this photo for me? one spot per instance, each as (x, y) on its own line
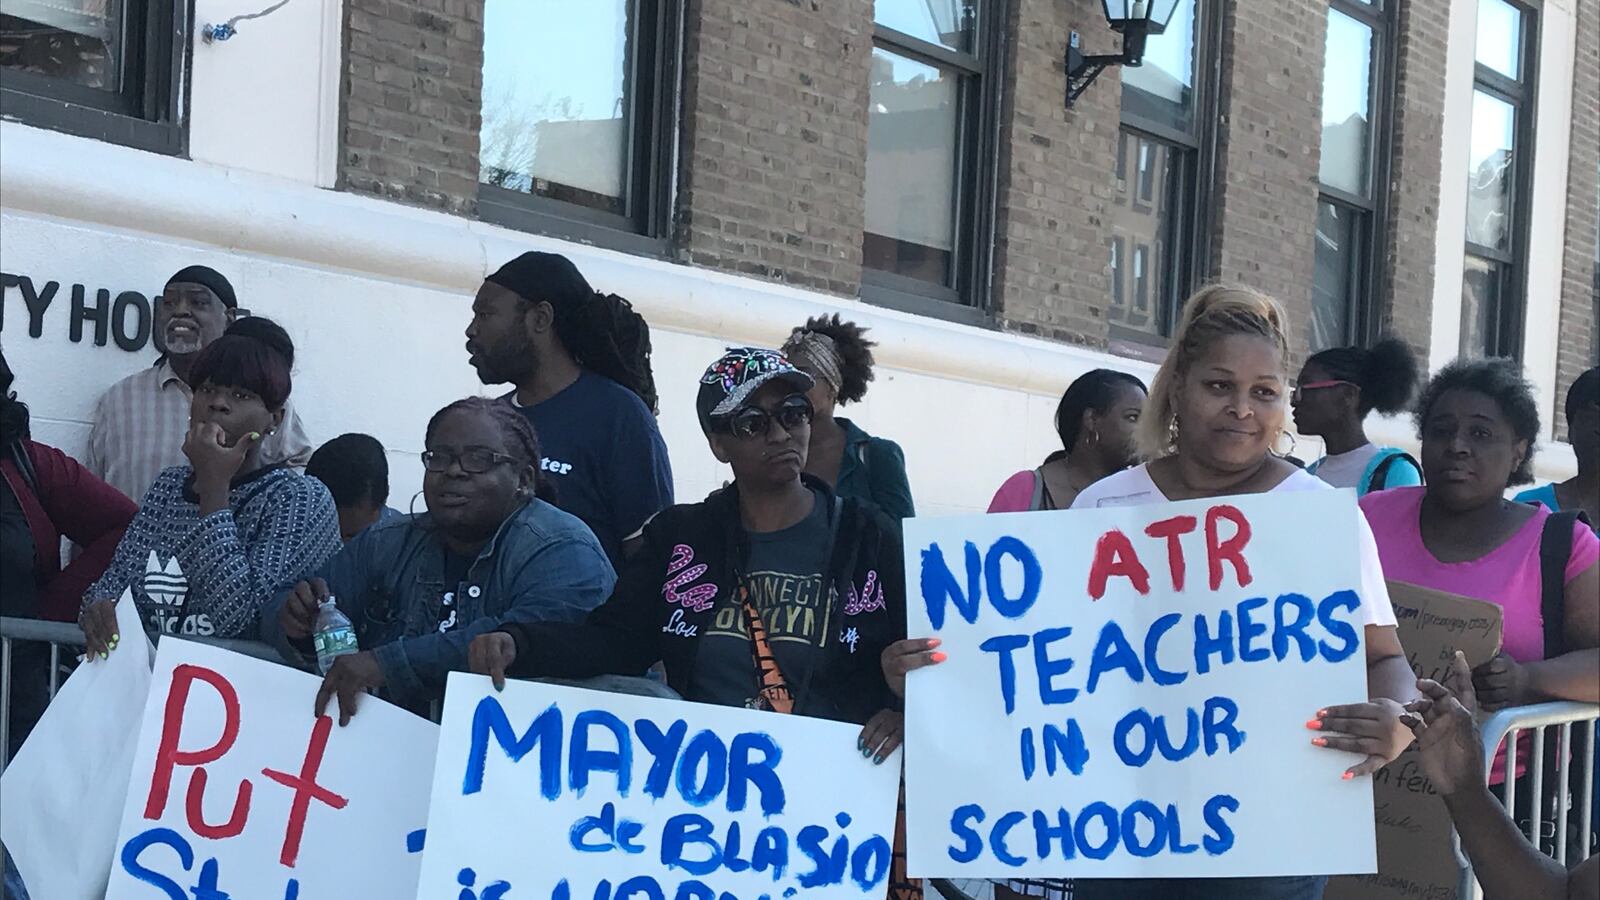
(1573, 781)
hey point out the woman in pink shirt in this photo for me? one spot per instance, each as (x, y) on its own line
(1096, 420)
(1478, 422)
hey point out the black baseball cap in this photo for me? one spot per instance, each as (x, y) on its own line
(730, 381)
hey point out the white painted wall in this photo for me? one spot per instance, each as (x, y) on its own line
(267, 99)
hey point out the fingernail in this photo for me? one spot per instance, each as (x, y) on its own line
(935, 642)
(115, 638)
(877, 761)
(255, 435)
(861, 744)
(1314, 724)
(499, 687)
(866, 752)
(938, 657)
(1320, 742)
(1348, 775)
(104, 655)
(1322, 713)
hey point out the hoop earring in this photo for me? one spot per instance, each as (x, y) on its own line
(1293, 443)
(412, 507)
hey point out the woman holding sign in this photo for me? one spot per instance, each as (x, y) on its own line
(1216, 408)
(773, 593)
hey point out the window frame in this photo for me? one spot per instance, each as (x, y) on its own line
(1510, 319)
(644, 228)
(969, 296)
(1188, 247)
(149, 112)
(1370, 263)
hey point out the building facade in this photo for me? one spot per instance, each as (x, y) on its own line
(1427, 170)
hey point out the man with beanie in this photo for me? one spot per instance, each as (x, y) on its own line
(140, 422)
(580, 363)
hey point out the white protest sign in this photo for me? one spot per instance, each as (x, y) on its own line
(1127, 691)
(238, 791)
(64, 790)
(556, 793)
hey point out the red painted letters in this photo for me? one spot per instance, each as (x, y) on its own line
(1114, 555)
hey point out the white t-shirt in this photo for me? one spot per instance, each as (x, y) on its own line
(1344, 470)
(1135, 487)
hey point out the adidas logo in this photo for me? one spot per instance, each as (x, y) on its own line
(165, 585)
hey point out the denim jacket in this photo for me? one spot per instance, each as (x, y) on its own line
(543, 565)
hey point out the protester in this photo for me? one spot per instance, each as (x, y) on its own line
(838, 357)
(1582, 491)
(1215, 410)
(1479, 423)
(141, 421)
(1505, 863)
(355, 470)
(580, 362)
(780, 595)
(490, 551)
(1335, 393)
(215, 540)
(1096, 420)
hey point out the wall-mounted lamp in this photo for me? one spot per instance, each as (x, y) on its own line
(1135, 20)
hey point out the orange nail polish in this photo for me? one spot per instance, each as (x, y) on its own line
(938, 657)
(1314, 725)
(934, 642)
(1320, 742)
(1322, 714)
(1348, 775)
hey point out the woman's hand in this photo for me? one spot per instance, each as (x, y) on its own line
(901, 657)
(1501, 682)
(298, 615)
(348, 678)
(214, 462)
(1447, 737)
(492, 654)
(99, 623)
(1373, 728)
(882, 735)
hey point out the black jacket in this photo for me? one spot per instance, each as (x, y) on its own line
(656, 612)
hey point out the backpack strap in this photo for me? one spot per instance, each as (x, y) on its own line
(1555, 549)
(1380, 475)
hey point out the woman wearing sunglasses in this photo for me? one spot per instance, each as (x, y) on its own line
(779, 595)
(489, 551)
(1336, 391)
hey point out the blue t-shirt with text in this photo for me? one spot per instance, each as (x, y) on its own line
(605, 455)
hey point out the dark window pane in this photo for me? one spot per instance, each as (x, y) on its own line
(1500, 37)
(911, 169)
(76, 41)
(947, 22)
(1346, 96)
(1480, 307)
(1145, 220)
(1162, 89)
(1491, 174)
(556, 98)
(1333, 291)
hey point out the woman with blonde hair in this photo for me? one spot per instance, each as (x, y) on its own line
(1216, 408)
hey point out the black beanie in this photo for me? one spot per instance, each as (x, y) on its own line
(544, 278)
(208, 277)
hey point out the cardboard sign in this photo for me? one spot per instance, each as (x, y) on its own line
(1127, 691)
(65, 788)
(556, 793)
(1416, 860)
(239, 791)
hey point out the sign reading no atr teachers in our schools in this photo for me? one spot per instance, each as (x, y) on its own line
(557, 793)
(1127, 691)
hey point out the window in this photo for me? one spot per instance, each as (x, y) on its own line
(930, 151)
(1354, 168)
(1160, 188)
(577, 119)
(107, 69)
(1499, 172)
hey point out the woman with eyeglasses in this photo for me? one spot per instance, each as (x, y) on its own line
(1336, 391)
(489, 551)
(780, 595)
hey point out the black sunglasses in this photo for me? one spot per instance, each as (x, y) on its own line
(753, 421)
(473, 460)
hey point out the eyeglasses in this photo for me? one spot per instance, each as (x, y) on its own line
(753, 421)
(1300, 389)
(473, 460)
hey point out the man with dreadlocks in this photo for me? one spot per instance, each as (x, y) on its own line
(580, 363)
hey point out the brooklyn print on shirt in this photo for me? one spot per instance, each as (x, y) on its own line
(791, 607)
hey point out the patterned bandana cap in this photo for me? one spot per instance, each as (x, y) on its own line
(820, 353)
(730, 381)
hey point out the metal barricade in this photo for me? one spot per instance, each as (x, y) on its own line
(59, 635)
(1575, 727)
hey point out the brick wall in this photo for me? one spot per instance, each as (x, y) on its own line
(775, 137)
(1269, 146)
(412, 92)
(1057, 171)
(1405, 307)
(1580, 284)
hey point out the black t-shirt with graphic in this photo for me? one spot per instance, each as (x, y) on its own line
(784, 574)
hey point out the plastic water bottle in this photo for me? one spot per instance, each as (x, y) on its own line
(333, 635)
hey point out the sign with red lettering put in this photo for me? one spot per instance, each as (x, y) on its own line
(238, 791)
(1130, 692)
